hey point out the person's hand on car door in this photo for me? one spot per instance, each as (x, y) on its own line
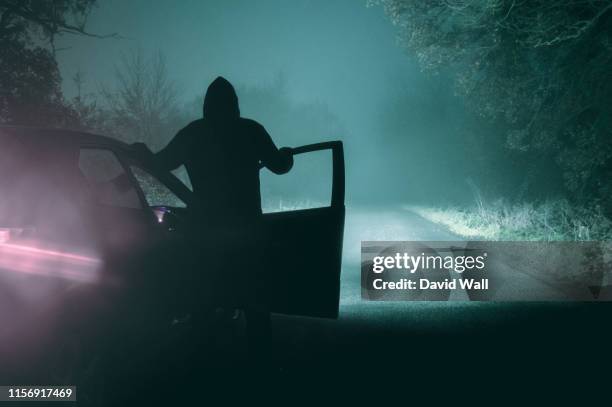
(288, 153)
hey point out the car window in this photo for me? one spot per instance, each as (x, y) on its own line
(156, 193)
(107, 178)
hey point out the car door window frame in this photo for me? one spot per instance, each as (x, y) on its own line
(338, 173)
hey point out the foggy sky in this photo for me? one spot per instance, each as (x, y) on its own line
(339, 53)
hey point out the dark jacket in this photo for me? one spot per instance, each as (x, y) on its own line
(223, 154)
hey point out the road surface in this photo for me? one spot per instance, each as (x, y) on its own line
(385, 336)
(404, 225)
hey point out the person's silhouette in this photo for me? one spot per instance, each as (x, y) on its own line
(223, 154)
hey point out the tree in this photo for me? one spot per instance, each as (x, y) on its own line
(30, 85)
(30, 82)
(143, 104)
(539, 69)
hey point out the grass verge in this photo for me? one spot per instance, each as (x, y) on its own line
(500, 220)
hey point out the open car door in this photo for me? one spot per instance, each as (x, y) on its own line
(305, 256)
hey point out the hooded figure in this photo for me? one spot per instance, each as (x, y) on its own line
(223, 154)
(221, 102)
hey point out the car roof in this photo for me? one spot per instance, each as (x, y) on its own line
(61, 136)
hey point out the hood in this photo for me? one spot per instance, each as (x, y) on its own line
(221, 101)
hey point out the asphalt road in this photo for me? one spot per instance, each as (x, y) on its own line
(433, 337)
(405, 350)
(404, 225)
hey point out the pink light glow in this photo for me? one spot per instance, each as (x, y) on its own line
(50, 263)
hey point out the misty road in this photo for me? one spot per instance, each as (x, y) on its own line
(412, 330)
(397, 224)
(393, 224)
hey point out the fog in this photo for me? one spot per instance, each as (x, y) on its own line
(334, 70)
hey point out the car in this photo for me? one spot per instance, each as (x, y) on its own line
(92, 232)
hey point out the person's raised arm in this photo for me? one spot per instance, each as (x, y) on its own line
(277, 161)
(174, 154)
